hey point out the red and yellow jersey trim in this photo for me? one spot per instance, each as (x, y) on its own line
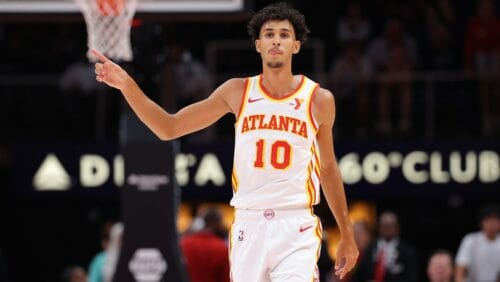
(316, 158)
(318, 232)
(231, 232)
(310, 193)
(234, 180)
(243, 100)
(310, 115)
(262, 89)
(313, 168)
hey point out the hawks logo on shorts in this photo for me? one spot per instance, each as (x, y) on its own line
(276, 161)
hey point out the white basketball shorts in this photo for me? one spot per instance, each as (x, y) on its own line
(275, 245)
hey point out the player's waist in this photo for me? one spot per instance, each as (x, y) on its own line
(259, 214)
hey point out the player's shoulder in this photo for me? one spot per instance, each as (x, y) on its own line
(323, 105)
(231, 92)
(235, 84)
(230, 88)
(323, 93)
(323, 97)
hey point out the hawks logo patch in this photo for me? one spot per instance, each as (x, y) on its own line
(297, 103)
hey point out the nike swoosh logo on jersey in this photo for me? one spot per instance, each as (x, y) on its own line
(302, 229)
(250, 100)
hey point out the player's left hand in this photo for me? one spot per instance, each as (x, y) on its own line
(347, 255)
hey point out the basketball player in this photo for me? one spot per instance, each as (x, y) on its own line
(283, 148)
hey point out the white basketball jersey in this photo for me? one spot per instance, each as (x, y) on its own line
(276, 159)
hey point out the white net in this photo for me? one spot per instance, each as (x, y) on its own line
(108, 27)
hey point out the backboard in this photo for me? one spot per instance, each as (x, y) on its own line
(144, 6)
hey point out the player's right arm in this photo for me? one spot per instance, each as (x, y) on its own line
(169, 126)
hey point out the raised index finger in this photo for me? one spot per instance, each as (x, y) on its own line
(99, 56)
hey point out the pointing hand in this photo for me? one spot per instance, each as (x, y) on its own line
(109, 72)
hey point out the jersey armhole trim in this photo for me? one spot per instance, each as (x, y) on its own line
(243, 99)
(310, 115)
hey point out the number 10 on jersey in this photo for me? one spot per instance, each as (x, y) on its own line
(280, 157)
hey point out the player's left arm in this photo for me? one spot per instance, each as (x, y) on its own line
(331, 180)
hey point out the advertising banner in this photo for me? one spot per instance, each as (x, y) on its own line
(203, 171)
(150, 200)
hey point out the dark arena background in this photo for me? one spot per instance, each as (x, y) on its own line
(417, 128)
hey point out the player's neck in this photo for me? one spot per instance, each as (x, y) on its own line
(279, 82)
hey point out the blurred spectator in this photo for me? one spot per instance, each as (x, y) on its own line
(112, 252)
(197, 222)
(349, 76)
(482, 54)
(447, 12)
(353, 26)
(184, 80)
(80, 77)
(187, 78)
(393, 56)
(74, 274)
(65, 45)
(384, 9)
(363, 237)
(97, 263)
(440, 266)
(388, 259)
(80, 95)
(206, 250)
(442, 20)
(478, 257)
(438, 53)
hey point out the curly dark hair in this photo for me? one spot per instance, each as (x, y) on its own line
(279, 11)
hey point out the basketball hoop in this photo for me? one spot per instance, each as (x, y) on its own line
(108, 27)
(111, 7)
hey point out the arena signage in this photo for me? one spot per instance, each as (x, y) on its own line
(417, 167)
(147, 265)
(95, 171)
(202, 172)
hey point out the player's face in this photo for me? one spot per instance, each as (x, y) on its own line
(277, 43)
